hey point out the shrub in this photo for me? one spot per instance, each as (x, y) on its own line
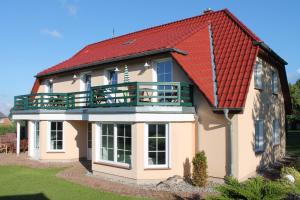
(253, 189)
(199, 169)
(290, 170)
(7, 129)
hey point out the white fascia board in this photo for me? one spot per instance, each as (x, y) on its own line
(133, 117)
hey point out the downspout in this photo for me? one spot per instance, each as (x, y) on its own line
(230, 130)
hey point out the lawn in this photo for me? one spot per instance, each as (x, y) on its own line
(293, 145)
(24, 183)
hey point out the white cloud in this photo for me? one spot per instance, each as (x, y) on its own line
(52, 33)
(72, 9)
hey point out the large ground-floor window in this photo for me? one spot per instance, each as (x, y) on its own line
(157, 145)
(115, 143)
(56, 136)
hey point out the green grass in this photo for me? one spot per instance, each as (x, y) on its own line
(7, 129)
(25, 183)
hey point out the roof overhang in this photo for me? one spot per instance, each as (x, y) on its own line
(116, 59)
(265, 47)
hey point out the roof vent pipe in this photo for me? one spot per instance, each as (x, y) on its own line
(207, 10)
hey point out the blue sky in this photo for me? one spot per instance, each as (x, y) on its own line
(37, 34)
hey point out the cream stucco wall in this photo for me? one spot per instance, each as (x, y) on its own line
(75, 141)
(182, 150)
(260, 104)
(137, 72)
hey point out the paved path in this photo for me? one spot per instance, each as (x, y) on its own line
(77, 172)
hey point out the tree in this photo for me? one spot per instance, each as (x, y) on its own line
(295, 98)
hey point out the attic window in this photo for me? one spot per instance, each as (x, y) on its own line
(129, 42)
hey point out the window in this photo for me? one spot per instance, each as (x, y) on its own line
(276, 132)
(88, 83)
(89, 135)
(157, 145)
(274, 82)
(112, 77)
(258, 72)
(36, 135)
(115, 143)
(56, 135)
(259, 136)
(164, 71)
(49, 87)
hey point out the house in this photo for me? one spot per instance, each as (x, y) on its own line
(4, 120)
(140, 105)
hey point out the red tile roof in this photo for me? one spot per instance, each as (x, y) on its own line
(232, 47)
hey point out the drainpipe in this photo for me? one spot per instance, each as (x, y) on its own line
(230, 130)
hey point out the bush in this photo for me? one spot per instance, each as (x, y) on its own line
(7, 129)
(290, 170)
(199, 169)
(253, 189)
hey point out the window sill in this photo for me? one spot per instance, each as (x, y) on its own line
(157, 168)
(112, 165)
(260, 89)
(53, 151)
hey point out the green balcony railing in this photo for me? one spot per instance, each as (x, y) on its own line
(124, 94)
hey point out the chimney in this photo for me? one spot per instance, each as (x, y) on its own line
(207, 10)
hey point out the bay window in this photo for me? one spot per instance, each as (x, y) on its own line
(115, 143)
(157, 145)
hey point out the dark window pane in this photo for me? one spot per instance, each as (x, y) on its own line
(161, 130)
(104, 129)
(168, 67)
(111, 154)
(59, 126)
(59, 135)
(104, 154)
(128, 143)
(110, 142)
(152, 158)
(59, 145)
(161, 158)
(128, 157)
(53, 135)
(161, 78)
(53, 144)
(161, 144)
(128, 130)
(120, 156)
(120, 143)
(110, 129)
(104, 141)
(53, 125)
(90, 127)
(120, 128)
(89, 136)
(89, 144)
(152, 144)
(152, 130)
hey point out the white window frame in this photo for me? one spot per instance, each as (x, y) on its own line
(49, 138)
(275, 82)
(155, 63)
(34, 134)
(99, 143)
(47, 86)
(276, 132)
(258, 74)
(261, 136)
(168, 152)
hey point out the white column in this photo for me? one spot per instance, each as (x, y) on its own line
(18, 137)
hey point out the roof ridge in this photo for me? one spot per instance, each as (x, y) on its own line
(157, 26)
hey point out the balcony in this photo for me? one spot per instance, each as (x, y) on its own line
(124, 94)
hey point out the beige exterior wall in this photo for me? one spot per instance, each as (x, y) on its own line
(260, 104)
(181, 154)
(75, 141)
(136, 69)
(212, 136)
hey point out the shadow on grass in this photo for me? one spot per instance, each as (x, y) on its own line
(39, 196)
